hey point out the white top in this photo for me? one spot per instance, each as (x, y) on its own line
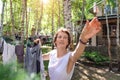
(58, 66)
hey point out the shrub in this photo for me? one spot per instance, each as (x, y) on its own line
(95, 57)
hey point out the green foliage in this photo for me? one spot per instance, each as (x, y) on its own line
(34, 12)
(95, 57)
(77, 6)
(46, 49)
(10, 72)
(111, 2)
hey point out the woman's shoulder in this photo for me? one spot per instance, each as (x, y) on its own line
(52, 54)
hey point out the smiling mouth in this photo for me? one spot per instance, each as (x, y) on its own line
(61, 43)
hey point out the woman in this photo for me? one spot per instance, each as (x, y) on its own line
(61, 60)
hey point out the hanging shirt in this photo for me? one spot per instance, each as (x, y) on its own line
(58, 66)
(8, 55)
(1, 45)
(31, 57)
(19, 50)
(33, 61)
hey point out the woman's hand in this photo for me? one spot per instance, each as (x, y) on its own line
(90, 29)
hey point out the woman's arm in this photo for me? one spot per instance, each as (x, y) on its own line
(45, 56)
(89, 30)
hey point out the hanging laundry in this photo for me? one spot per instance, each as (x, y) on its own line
(8, 55)
(33, 58)
(19, 50)
(1, 45)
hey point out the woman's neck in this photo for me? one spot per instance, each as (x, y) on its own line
(61, 52)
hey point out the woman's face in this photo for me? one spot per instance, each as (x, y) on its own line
(62, 40)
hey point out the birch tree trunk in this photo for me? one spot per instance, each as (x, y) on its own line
(22, 20)
(2, 18)
(117, 35)
(52, 21)
(26, 19)
(67, 19)
(109, 41)
(59, 13)
(40, 19)
(12, 18)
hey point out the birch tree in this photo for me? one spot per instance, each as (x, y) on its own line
(52, 20)
(117, 34)
(12, 17)
(2, 18)
(108, 38)
(67, 19)
(40, 18)
(22, 20)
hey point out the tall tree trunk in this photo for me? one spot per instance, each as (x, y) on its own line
(52, 21)
(109, 41)
(12, 18)
(26, 19)
(67, 19)
(117, 35)
(40, 19)
(59, 7)
(2, 18)
(22, 20)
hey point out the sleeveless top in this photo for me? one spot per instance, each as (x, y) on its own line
(58, 66)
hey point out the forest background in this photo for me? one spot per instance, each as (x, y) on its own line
(45, 15)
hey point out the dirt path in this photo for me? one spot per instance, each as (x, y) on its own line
(85, 71)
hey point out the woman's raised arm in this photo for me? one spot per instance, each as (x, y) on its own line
(90, 29)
